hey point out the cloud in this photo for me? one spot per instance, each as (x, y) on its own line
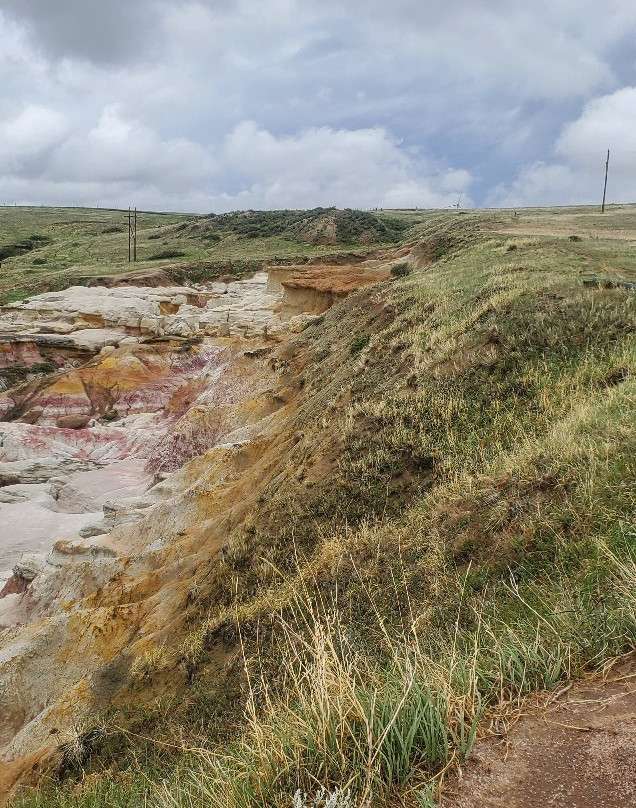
(323, 166)
(29, 137)
(105, 32)
(576, 175)
(118, 149)
(152, 88)
(120, 161)
(608, 122)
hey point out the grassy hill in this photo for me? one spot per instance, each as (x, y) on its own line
(45, 249)
(447, 529)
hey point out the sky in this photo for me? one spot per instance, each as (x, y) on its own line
(219, 105)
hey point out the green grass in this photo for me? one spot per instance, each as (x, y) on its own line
(381, 725)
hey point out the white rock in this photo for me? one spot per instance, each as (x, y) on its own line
(29, 566)
(148, 324)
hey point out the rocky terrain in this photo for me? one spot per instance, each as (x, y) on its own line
(144, 379)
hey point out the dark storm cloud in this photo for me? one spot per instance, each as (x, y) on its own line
(102, 31)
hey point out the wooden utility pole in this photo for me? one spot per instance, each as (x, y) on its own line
(132, 235)
(605, 186)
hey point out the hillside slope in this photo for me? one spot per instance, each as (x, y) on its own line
(43, 249)
(436, 522)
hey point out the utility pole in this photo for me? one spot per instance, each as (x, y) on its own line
(132, 235)
(605, 186)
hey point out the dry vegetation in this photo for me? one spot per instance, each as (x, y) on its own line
(452, 530)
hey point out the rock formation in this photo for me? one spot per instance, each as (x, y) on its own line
(142, 422)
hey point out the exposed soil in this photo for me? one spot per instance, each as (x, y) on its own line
(164, 276)
(578, 753)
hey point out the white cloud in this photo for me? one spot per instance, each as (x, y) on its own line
(576, 175)
(359, 168)
(120, 162)
(608, 122)
(124, 150)
(29, 136)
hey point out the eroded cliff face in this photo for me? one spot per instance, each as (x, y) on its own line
(124, 471)
(95, 432)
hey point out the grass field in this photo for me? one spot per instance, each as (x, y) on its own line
(450, 533)
(73, 245)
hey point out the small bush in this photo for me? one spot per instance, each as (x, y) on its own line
(400, 270)
(576, 238)
(360, 341)
(39, 261)
(11, 250)
(113, 229)
(166, 254)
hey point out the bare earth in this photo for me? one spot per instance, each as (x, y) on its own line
(578, 753)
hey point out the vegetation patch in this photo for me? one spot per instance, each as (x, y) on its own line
(165, 254)
(326, 225)
(16, 374)
(11, 250)
(359, 342)
(400, 270)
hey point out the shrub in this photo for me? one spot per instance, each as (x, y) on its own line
(400, 270)
(166, 254)
(360, 341)
(113, 229)
(11, 250)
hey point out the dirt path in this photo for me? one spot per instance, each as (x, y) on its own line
(578, 753)
(563, 232)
